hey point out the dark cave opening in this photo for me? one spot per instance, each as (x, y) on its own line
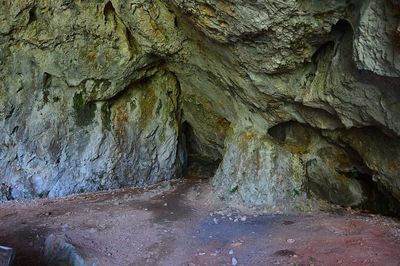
(198, 164)
(298, 137)
(378, 200)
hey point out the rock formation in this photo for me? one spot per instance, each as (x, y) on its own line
(295, 99)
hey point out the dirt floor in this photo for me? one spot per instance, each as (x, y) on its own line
(175, 224)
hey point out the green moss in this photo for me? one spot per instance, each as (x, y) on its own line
(234, 189)
(85, 112)
(229, 132)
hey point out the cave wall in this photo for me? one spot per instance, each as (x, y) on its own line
(94, 95)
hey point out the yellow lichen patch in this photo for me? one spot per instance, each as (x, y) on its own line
(226, 7)
(223, 24)
(121, 118)
(303, 51)
(147, 105)
(207, 10)
(394, 167)
(18, 44)
(298, 170)
(229, 132)
(248, 135)
(296, 148)
(92, 56)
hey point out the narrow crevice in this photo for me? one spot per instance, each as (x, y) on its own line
(198, 165)
(32, 15)
(108, 10)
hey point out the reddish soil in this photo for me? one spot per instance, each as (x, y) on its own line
(177, 224)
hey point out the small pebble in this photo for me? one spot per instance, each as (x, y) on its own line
(231, 252)
(290, 241)
(243, 219)
(215, 220)
(234, 262)
(165, 204)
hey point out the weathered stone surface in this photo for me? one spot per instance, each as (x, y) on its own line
(376, 40)
(258, 172)
(102, 94)
(62, 144)
(380, 153)
(326, 165)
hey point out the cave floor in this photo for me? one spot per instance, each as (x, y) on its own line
(177, 224)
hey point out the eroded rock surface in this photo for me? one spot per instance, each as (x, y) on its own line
(103, 94)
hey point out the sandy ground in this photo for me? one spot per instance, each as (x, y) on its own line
(176, 224)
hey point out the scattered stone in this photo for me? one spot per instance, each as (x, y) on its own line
(290, 241)
(234, 262)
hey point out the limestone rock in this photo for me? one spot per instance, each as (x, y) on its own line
(257, 172)
(61, 144)
(327, 166)
(375, 45)
(104, 94)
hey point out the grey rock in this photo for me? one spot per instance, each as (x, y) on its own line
(105, 94)
(374, 47)
(257, 172)
(59, 252)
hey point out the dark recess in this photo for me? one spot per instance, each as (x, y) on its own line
(198, 166)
